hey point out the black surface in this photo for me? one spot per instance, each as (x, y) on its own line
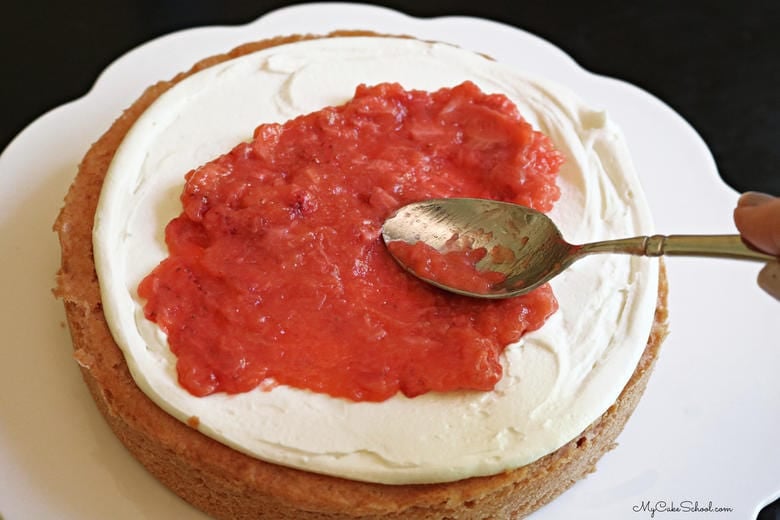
(716, 63)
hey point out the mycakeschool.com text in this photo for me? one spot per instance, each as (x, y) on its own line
(653, 508)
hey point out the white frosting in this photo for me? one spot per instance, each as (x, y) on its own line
(557, 380)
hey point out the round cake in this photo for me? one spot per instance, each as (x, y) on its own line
(282, 452)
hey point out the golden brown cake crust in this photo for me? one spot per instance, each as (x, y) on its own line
(230, 485)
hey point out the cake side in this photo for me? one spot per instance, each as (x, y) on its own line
(228, 484)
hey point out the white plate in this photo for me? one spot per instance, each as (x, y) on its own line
(706, 429)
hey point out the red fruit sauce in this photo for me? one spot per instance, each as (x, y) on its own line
(277, 271)
(456, 268)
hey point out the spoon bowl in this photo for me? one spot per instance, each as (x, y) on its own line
(507, 250)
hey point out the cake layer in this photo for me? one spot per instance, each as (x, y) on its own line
(557, 380)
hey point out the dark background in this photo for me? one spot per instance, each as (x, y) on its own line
(716, 63)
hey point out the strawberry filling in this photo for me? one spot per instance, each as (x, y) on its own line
(277, 273)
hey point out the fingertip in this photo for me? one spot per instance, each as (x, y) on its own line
(753, 198)
(759, 224)
(769, 279)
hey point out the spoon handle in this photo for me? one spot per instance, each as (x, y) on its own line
(724, 246)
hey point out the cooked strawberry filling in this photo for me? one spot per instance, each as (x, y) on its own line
(277, 272)
(456, 268)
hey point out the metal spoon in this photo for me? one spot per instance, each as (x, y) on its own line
(536, 250)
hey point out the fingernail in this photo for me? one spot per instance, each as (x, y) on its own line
(753, 198)
(769, 279)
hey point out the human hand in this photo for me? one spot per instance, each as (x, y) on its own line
(757, 217)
